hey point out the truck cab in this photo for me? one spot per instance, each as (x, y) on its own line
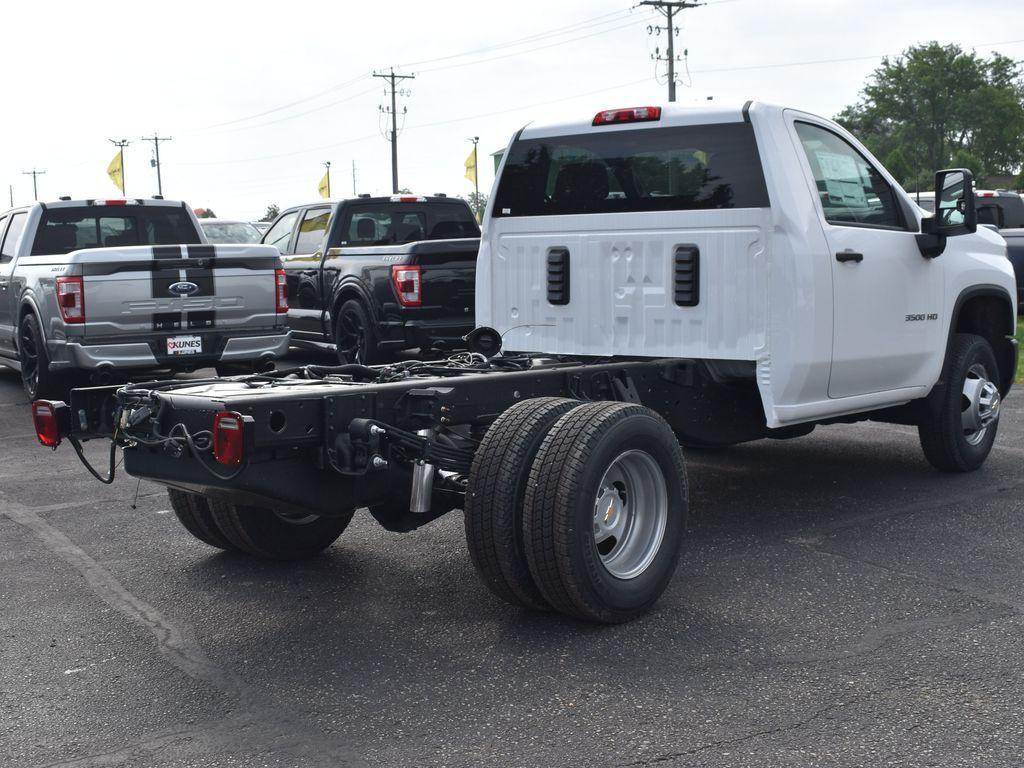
(765, 242)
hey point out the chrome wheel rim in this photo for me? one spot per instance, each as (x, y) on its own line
(979, 404)
(630, 514)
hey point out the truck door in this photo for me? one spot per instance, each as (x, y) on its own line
(303, 266)
(8, 295)
(887, 298)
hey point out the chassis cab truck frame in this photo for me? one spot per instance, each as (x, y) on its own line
(648, 277)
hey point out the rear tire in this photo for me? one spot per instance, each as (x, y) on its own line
(37, 378)
(494, 499)
(276, 535)
(193, 512)
(605, 511)
(354, 335)
(958, 431)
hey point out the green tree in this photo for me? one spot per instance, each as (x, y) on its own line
(477, 204)
(273, 211)
(935, 106)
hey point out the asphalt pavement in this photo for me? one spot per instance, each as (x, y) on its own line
(839, 603)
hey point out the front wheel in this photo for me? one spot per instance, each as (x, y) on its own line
(277, 535)
(605, 511)
(958, 430)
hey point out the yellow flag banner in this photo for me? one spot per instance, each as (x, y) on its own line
(471, 166)
(325, 185)
(116, 172)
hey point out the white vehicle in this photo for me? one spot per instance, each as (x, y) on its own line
(226, 231)
(663, 276)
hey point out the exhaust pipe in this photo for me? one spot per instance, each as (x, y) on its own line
(422, 484)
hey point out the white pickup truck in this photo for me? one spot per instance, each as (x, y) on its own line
(99, 289)
(648, 277)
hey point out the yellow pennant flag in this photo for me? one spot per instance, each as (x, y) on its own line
(116, 172)
(471, 166)
(325, 185)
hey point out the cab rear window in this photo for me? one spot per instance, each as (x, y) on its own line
(651, 169)
(63, 230)
(395, 223)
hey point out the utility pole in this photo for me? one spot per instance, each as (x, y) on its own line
(156, 139)
(393, 111)
(10, 189)
(668, 8)
(353, 178)
(121, 144)
(35, 189)
(327, 165)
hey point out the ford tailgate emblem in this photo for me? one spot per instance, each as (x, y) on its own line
(184, 288)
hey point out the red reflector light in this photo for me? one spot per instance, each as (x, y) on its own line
(280, 291)
(44, 418)
(115, 202)
(71, 299)
(631, 115)
(987, 194)
(408, 285)
(228, 438)
(408, 199)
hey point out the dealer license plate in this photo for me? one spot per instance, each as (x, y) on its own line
(184, 345)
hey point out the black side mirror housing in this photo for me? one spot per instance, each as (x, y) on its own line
(955, 211)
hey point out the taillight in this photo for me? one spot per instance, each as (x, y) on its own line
(44, 418)
(280, 291)
(228, 438)
(408, 199)
(71, 299)
(631, 115)
(408, 285)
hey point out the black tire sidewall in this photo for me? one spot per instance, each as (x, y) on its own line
(45, 385)
(371, 354)
(634, 595)
(970, 350)
(261, 532)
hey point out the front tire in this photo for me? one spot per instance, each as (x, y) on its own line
(354, 336)
(605, 511)
(36, 377)
(958, 430)
(494, 499)
(277, 535)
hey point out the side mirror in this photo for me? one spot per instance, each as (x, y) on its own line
(955, 213)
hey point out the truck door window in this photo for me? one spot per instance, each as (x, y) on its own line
(280, 234)
(7, 252)
(3, 223)
(311, 230)
(685, 168)
(851, 191)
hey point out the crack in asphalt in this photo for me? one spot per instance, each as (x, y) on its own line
(284, 729)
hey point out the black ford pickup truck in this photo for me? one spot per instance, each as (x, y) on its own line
(370, 276)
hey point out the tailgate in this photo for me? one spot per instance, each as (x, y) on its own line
(154, 289)
(448, 272)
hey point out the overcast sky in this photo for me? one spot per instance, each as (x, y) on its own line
(258, 95)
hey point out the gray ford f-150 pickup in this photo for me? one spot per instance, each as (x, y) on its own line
(110, 287)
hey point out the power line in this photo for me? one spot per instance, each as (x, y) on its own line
(393, 111)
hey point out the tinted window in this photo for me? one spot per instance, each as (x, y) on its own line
(11, 238)
(230, 232)
(3, 223)
(391, 223)
(1005, 211)
(850, 189)
(651, 169)
(311, 231)
(63, 230)
(279, 234)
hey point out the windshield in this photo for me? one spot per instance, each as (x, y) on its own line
(230, 232)
(63, 230)
(649, 169)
